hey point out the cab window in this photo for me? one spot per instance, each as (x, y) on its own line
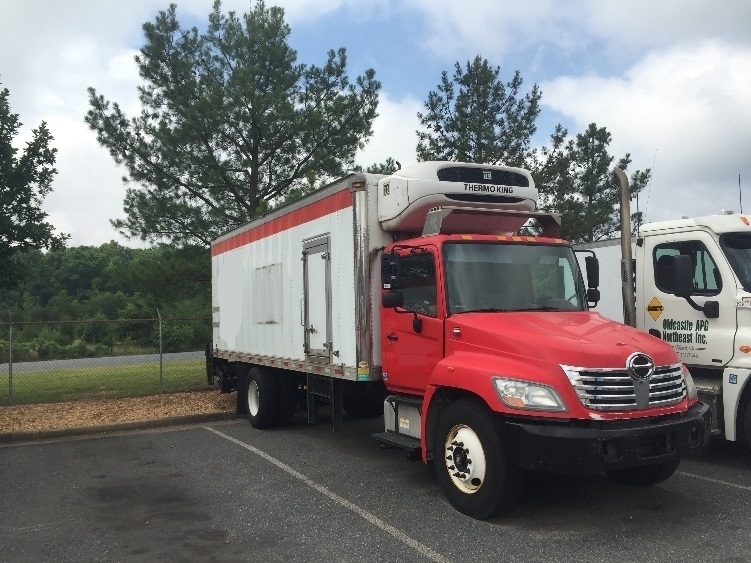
(418, 283)
(707, 279)
(737, 247)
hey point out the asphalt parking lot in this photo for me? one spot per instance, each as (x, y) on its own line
(225, 492)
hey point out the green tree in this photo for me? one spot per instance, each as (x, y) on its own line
(388, 166)
(25, 180)
(475, 117)
(230, 123)
(575, 179)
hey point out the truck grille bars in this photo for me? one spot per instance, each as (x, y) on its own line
(612, 389)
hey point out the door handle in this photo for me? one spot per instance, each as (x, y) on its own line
(393, 337)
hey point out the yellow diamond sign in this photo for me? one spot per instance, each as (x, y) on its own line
(654, 308)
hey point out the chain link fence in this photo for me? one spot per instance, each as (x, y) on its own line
(44, 362)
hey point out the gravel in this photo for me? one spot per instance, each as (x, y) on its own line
(97, 412)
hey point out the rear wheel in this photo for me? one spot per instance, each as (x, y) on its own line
(646, 475)
(471, 464)
(262, 399)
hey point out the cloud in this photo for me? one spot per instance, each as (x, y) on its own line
(647, 23)
(393, 132)
(682, 110)
(668, 79)
(88, 190)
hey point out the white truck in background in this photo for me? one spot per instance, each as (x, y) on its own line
(692, 282)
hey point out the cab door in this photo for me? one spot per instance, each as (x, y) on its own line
(412, 335)
(697, 339)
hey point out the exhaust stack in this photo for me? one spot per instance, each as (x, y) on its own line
(627, 268)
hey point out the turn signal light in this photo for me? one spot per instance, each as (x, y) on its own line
(745, 349)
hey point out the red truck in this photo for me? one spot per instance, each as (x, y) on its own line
(439, 297)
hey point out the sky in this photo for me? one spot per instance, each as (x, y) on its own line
(669, 79)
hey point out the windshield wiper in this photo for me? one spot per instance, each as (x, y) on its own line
(537, 308)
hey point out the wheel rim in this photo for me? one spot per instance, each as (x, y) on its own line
(465, 459)
(253, 399)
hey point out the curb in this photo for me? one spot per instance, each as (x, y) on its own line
(36, 435)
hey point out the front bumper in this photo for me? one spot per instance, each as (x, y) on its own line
(604, 446)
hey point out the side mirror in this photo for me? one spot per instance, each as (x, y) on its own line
(593, 296)
(392, 299)
(683, 286)
(683, 276)
(593, 272)
(390, 271)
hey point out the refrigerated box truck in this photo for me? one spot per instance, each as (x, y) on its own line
(423, 295)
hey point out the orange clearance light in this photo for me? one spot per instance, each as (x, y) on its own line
(466, 237)
(745, 349)
(515, 402)
(744, 219)
(449, 368)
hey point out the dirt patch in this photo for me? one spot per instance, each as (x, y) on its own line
(95, 412)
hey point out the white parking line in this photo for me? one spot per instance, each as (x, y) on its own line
(398, 534)
(717, 481)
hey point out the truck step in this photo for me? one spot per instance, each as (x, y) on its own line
(400, 441)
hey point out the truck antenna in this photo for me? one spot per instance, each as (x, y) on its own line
(740, 194)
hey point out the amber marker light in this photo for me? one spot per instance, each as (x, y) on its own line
(744, 219)
(745, 349)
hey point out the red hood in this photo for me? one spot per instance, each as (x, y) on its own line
(580, 339)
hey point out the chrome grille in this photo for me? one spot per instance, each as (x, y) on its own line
(611, 389)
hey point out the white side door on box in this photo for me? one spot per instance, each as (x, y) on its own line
(317, 298)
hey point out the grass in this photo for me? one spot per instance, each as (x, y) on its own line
(81, 382)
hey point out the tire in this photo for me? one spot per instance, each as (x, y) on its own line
(471, 463)
(645, 475)
(262, 399)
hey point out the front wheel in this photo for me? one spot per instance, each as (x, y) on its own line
(471, 464)
(645, 475)
(263, 399)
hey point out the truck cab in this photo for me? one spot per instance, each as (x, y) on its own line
(494, 363)
(467, 280)
(710, 329)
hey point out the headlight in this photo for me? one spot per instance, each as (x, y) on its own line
(519, 394)
(690, 385)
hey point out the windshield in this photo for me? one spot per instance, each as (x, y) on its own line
(737, 248)
(512, 277)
